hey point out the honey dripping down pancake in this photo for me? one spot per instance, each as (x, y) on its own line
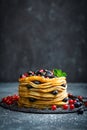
(42, 89)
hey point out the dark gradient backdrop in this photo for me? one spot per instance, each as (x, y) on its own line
(47, 34)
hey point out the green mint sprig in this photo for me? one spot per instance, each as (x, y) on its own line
(59, 73)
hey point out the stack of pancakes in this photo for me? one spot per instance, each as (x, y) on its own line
(41, 92)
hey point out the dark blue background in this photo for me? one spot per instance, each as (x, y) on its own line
(47, 34)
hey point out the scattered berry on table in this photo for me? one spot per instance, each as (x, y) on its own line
(80, 98)
(63, 85)
(72, 106)
(85, 103)
(80, 111)
(70, 95)
(10, 99)
(53, 107)
(65, 106)
(70, 101)
(74, 101)
(77, 104)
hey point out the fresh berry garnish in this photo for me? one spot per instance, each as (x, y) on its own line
(29, 86)
(30, 73)
(15, 97)
(65, 106)
(45, 70)
(85, 103)
(32, 99)
(49, 74)
(36, 82)
(77, 104)
(26, 74)
(74, 101)
(10, 99)
(55, 92)
(70, 95)
(77, 99)
(63, 85)
(70, 101)
(80, 98)
(53, 107)
(9, 102)
(80, 111)
(37, 72)
(65, 99)
(22, 76)
(41, 70)
(72, 106)
(4, 99)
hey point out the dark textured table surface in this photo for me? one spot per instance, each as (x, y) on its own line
(10, 120)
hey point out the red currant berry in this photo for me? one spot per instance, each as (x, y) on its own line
(85, 103)
(41, 70)
(54, 107)
(9, 102)
(15, 97)
(80, 98)
(65, 106)
(74, 101)
(70, 101)
(70, 95)
(23, 76)
(4, 99)
(26, 74)
(72, 106)
(8, 97)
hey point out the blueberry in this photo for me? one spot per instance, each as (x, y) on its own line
(43, 73)
(49, 74)
(29, 86)
(45, 70)
(37, 82)
(32, 99)
(77, 104)
(65, 99)
(77, 99)
(63, 85)
(30, 73)
(37, 72)
(80, 111)
(70, 95)
(55, 92)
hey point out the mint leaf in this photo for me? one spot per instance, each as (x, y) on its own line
(59, 73)
(64, 74)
